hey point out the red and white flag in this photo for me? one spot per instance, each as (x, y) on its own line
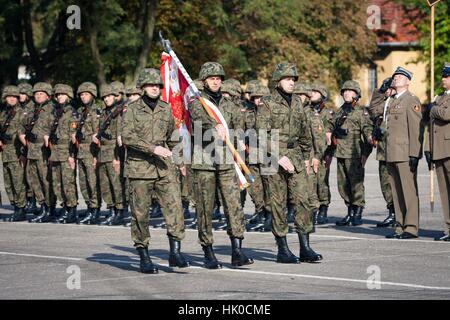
(177, 95)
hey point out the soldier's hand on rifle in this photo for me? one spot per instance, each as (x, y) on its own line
(22, 139)
(73, 138)
(72, 163)
(315, 165)
(116, 165)
(95, 139)
(286, 164)
(221, 131)
(162, 152)
(428, 158)
(46, 138)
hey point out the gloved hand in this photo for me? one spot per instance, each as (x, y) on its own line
(428, 158)
(53, 138)
(385, 85)
(30, 136)
(79, 136)
(413, 163)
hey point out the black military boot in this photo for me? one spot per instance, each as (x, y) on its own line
(156, 211)
(306, 253)
(357, 217)
(238, 258)
(109, 217)
(70, 216)
(176, 259)
(223, 226)
(210, 258)
(258, 222)
(118, 218)
(186, 212)
(31, 206)
(290, 213)
(390, 219)
(285, 255)
(216, 215)
(146, 264)
(19, 215)
(88, 219)
(322, 215)
(44, 215)
(314, 219)
(193, 223)
(267, 222)
(348, 219)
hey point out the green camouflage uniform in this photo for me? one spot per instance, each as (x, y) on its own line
(349, 150)
(110, 185)
(144, 129)
(87, 124)
(12, 149)
(210, 173)
(294, 142)
(38, 175)
(64, 118)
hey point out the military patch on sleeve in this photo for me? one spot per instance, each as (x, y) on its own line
(416, 108)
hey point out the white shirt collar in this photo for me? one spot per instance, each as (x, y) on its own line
(398, 95)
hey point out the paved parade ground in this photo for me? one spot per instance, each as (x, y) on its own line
(45, 261)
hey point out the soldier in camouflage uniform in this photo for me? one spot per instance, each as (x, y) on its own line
(303, 91)
(86, 127)
(211, 170)
(378, 104)
(258, 190)
(108, 155)
(37, 125)
(62, 159)
(121, 102)
(11, 148)
(133, 93)
(319, 116)
(27, 107)
(147, 134)
(282, 114)
(351, 129)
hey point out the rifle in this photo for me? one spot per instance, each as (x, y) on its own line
(4, 137)
(29, 135)
(338, 132)
(53, 138)
(79, 136)
(101, 134)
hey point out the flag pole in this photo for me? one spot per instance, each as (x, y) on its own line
(237, 157)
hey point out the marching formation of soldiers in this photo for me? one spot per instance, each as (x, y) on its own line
(120, 144)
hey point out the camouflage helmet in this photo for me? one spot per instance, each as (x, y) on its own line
(211, 69)
(251, 85)
(149, 76)
(233, 87)
(352, 85)
(199, 84)
(259, 91)
(118, 87)
(63, 89)
(302, 88)
(44, 87)
(87, 87)
(10, 91)
(106, 90)
(321, 89)
(26, 88)
(283, 70)
(133, 90)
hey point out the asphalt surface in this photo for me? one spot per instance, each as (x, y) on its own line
(53, 261)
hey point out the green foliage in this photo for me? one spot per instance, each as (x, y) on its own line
(326, 39)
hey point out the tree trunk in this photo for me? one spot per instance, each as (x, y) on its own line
(99, 67)
(148, 15)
